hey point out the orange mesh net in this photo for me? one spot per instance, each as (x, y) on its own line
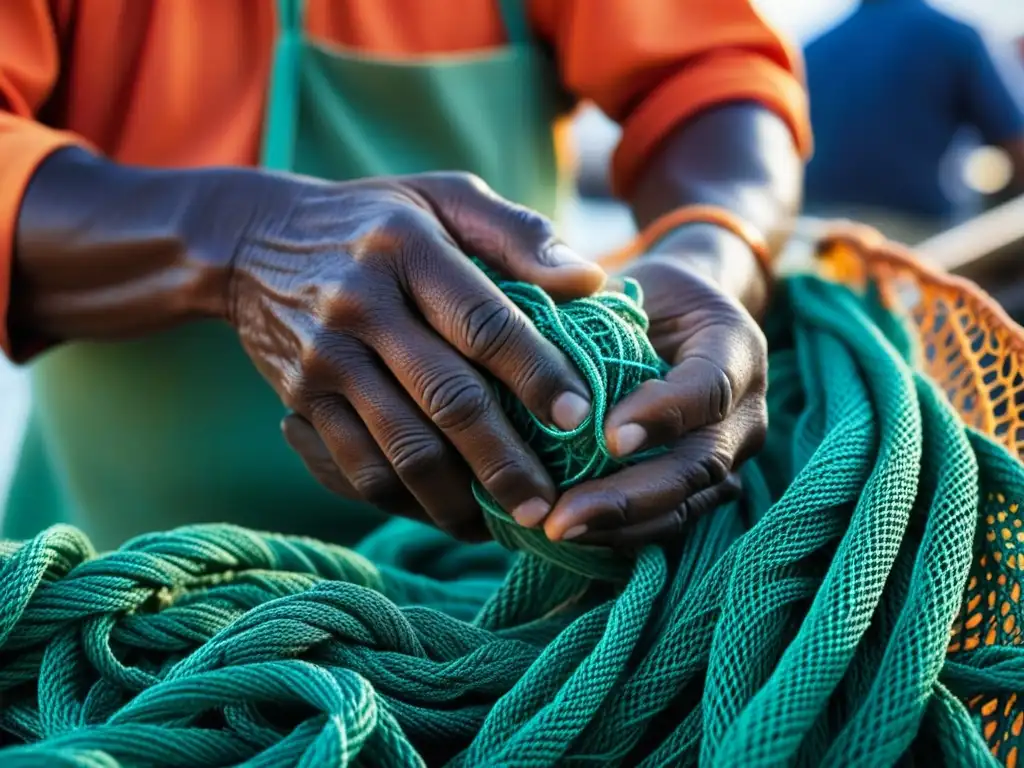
(975, 353)
(970, 346)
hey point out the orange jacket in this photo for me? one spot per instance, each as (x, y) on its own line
(182, 82)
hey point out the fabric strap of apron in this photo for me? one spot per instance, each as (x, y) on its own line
(282, 113)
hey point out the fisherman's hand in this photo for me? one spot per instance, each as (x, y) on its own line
(359, 304)
(709, 410)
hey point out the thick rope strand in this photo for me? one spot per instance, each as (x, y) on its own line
(807, 624)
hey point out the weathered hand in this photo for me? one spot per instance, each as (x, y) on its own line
(710, 410)
(358, 303)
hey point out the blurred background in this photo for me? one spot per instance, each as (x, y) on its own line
(983, 218)
(595, 225)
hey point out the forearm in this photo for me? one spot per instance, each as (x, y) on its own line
(109, 252)
(740, 157)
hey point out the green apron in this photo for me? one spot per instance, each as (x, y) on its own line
(178, 428)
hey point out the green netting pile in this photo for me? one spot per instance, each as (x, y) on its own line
(805, 625)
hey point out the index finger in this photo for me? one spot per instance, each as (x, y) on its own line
(519, 241)
(466, 410)
(472, 314)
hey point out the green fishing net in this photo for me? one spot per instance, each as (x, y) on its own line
(857, 606)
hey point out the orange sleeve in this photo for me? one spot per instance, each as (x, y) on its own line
(650, 65)
(29, 66)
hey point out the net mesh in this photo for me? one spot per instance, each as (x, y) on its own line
(857, 607)
(975, 353)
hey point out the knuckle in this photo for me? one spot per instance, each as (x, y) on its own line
(715, 467)
(403, 220)
(374, 483)
(328, 419)
(489, 326)
(455, 403)
(323, 361)
(688, 510)
(469, 182)
(342, 305)
(538, 380)
(457, 184)
(417, 456)
(502, 473)
(402, 233)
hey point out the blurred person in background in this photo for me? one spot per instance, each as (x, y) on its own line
(180, 281)
(891, 89)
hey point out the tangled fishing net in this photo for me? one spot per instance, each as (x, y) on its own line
(858, 607)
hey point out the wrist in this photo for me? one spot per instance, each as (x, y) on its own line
(107, 251)
(224, 206)
(722, 256)
(712, 241)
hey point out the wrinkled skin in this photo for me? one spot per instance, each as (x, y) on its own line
(710, 410)
(387, 412)
(359, 305)
(364, 312)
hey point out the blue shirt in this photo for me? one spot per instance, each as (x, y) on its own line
(890, 89)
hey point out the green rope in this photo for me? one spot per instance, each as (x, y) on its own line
(807, 624)
(605, 336)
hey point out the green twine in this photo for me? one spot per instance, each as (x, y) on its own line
(806, 625)
(605, 336)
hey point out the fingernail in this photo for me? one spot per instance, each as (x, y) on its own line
(564, 259)
(561, 255)
(574, 533)
(628, 438)
(569, 411)
(531, 512)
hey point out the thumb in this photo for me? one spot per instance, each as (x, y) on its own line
(516, 241)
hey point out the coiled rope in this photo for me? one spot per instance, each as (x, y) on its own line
(807, 624)
(606, 338)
